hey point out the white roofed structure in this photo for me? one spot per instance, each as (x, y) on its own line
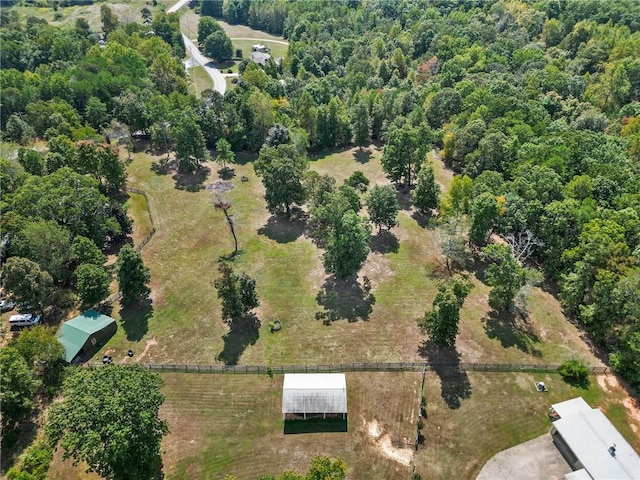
(314, 393)
(592, 445)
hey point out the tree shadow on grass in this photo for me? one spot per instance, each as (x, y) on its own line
(192, 182)
(385, 241)
(226, 173)
(403, 195)
(135, 319)
(242, 333)
(454, 382)
(282, 229)
(315, 425)
(425, 220)
(345, 299)
(512, 330)
(163, 167)
(362, 155)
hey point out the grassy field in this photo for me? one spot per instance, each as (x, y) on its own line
(199, 81)
(232, 424)
(275, 49)
(127, 11)
(183, 323)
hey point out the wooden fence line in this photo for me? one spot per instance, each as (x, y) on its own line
(363, 367)
(117, 296)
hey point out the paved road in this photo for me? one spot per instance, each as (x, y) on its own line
(219, 82)
(177, 6)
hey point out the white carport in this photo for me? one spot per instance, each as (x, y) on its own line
(314, 394)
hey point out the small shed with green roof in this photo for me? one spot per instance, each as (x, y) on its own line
(83, 335)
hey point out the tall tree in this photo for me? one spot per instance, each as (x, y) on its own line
(441, 322)
(40, 348)
(27, 282)
(133, 275)
(505, 275)
(47, 244)
(19, 386)
(212, 8)
(120, 403)
(383, 207)
(282, 170)
(218, 46)
(455, 234)
(237, 293)
(92, 282)
(224, 154)
(360, 123)
(207, 26)
(108, 18)
(404, 151)
(347, 246)
(426, 195)
(484, 213)
(190, 144)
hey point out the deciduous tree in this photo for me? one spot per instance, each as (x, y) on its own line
(189, 141)
(426, 195)
(282, 170)
(237, 293)
(19, 386)
(382, 205)
(120, 404)
(133, 275)
(224, 154)
(441, 322)
(27, 282)
(347, 246)
(92, 282)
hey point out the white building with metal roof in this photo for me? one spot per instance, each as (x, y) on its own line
(590, 443)
(314, 394)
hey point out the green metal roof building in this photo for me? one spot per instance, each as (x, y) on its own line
(83, 335)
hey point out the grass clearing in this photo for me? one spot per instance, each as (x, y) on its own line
(183, 324)
(137, 209)
(275, 49)
(232, 424)
(503, 410)
(199, 81)
(242, 31)
(127, 11)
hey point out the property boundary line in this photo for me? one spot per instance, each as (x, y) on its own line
(117, 296)
(364, 367)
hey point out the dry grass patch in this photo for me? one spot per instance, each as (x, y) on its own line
(232, 424)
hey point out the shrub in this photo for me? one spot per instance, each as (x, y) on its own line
(574, 371)
(420, 424)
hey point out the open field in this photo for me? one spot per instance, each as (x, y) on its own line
(199, 81)
(232, 424)
(128, 11)
(275, 49)
(183, 323)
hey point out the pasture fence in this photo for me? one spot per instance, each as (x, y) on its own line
(364, 367)
(117, 296)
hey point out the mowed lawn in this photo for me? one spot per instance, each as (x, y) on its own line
(501, 410)
(232, 424)
(183, 323)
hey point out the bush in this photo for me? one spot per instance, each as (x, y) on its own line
(575, 371)
(420, 424)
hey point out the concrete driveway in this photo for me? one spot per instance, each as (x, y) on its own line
(532, 460)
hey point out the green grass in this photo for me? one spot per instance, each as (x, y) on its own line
(404, 269)
(127, 11)
(502, 411)
(232, 424)
(275, 49)
(199, 81)
(137, 210)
